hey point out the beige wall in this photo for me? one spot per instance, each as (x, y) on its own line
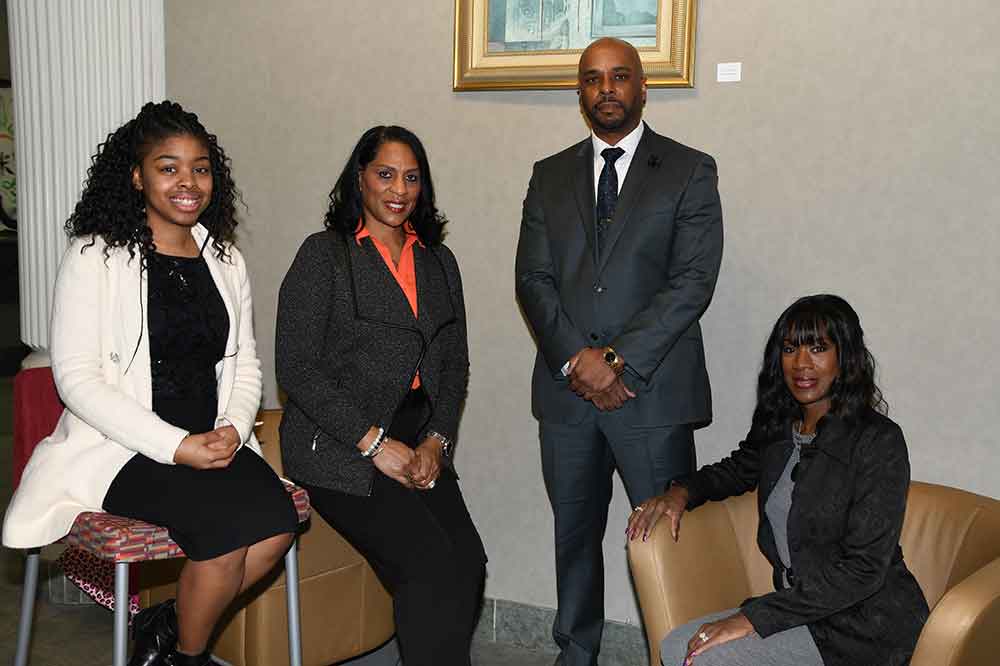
(859, 156)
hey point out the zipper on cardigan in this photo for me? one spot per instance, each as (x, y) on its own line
(315, 437)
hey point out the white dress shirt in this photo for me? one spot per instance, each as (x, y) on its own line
(629, 143)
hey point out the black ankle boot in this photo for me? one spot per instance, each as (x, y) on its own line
(155, 633)
(180, 659)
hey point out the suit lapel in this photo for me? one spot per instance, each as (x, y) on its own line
(378, 296)
(434, 308)
(584, 187)
(643, 163)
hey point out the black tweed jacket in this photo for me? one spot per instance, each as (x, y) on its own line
(850, 585)
(347, 347)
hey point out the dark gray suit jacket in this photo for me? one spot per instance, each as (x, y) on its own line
(347, 349)
(643, 295)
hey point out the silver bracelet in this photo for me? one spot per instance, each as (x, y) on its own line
(376, 445)
(446, 444)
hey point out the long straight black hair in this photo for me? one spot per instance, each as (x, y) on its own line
(806, 321)
(346, 204)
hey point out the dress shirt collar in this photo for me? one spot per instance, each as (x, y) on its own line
(411, 234)
(628, 143)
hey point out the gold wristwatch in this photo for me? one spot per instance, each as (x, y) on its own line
(613, 360)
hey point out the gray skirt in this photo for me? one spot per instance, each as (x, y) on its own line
(793, 647)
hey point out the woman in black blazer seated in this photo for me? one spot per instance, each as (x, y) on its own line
(372, 354)
(832, 474)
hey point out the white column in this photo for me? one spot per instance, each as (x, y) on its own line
(79, 69)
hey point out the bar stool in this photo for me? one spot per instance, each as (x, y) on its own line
(125, 541)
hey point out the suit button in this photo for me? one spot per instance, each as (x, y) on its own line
(598, 289)
(593, 336)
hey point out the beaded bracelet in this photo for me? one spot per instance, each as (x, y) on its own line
(376, 445)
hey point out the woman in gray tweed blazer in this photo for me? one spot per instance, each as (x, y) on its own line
(372, 353)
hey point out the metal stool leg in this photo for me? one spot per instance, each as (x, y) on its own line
(292, 600)
(27, 608)
(121, 613)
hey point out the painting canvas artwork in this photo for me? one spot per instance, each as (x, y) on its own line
(504, 44)
(546, 25)
(8, 179)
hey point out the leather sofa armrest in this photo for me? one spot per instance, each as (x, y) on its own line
(964, 627)
(702, 572)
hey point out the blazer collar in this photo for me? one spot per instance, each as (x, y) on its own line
(833, 438)
(434, 306)
(583, 181)
(379, 298)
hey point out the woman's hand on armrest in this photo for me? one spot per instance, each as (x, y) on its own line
(670, 504)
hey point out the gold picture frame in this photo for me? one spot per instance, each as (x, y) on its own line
(536, 44)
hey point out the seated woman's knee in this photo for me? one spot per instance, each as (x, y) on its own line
(234, 560)
(673, 649)
(280, 542)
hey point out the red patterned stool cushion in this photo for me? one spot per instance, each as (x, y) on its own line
(113, 539)
(95, 577)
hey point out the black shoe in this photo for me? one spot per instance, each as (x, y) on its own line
(180, 659)
(155, 633)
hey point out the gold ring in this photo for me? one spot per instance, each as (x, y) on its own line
(703, 636)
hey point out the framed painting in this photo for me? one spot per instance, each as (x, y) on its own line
(535, 44)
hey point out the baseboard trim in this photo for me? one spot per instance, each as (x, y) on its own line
(528, 626)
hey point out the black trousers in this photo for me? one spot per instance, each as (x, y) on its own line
(578, 461)
(424, 548)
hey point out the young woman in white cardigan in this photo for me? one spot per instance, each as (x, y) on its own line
(154, 357)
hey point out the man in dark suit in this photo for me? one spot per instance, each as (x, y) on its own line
(620, 246)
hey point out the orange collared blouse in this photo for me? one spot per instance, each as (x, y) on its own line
(405, 273)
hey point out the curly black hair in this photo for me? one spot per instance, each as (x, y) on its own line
(807, 320)
(346, 207)
(110, 207)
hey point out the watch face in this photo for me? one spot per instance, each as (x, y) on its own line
(610, 357)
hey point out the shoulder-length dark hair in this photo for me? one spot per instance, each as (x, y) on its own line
(346, 206)
(804, 322)
(111, 207)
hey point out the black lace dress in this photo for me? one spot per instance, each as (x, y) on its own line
(208, 512)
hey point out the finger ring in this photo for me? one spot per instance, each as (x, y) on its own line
(430, 485)
(703, 636)
(639, 508)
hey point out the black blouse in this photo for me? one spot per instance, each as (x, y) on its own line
(188, 328)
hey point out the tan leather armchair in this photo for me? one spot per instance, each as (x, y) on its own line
(950, 540)
(345, 610)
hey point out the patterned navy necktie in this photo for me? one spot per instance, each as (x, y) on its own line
(607, 191)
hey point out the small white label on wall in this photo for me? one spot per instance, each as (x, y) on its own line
(729, 72)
